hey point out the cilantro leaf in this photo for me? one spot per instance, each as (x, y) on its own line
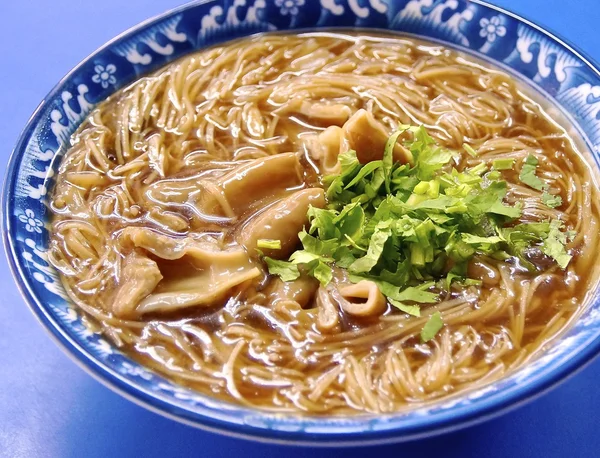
(350, 166)
(322, 272)
(413, 310)
(554, 245)
(284, 269)
(498, 208)
(368, 261)
(429, 158)
(432, 327)
(551, 200)
(317, 246)
(304, 257)
(351, 221)
(367, 169)
(388, 157)
(528, 176)
(322, 222)
(416, 295)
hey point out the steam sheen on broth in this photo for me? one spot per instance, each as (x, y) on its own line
(170, 185)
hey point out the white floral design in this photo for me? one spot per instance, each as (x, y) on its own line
(492, 28)
(136, 371)
(105, 75)
(104, 347)
(289, 6)
(32, 224)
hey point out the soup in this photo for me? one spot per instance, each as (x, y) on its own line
(326, 223)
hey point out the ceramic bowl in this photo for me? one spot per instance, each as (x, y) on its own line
(545, 63)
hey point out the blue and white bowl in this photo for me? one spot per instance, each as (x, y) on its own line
(547, 64)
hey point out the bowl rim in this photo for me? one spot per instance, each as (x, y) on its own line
(443, 422)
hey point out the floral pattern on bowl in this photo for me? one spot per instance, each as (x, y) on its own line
(541, 60)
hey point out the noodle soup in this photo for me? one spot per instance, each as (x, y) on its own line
(326, 223)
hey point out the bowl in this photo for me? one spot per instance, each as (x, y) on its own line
(542, 61)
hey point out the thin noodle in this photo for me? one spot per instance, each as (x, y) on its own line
(153, 156)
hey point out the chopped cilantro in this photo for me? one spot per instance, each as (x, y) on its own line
(408, 227)
(321, 272)
(554, 245)
(432, 327)
(469, 149)
(413, 310)
(528, 176)
(416, 295)
(286, 270)
(503, 164)
(269, 243)
(551, 200)
(374, 252)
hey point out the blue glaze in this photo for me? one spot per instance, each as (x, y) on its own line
(543, 61)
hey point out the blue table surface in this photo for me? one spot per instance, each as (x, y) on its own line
(49, 407)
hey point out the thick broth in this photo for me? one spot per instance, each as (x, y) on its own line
(150, 156)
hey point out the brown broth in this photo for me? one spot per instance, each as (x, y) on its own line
(193, 122)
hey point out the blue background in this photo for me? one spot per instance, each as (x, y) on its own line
(51, 408)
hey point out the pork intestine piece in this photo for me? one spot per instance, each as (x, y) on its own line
(363, 299)
(203, 250)
(300, 291)
(231, 194)
(361, 133)
(139, 277)
(205, 289)
(328, 318)
(215, 273)
(324, 112)
(282, 221)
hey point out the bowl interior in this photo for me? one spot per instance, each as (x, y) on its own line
(546, 64)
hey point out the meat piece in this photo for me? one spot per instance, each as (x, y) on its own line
(363, 299)
(300, 291)
(327, 318)
(325, 148)
(361, 133)
(282, 221)
(232, 193)
(139, 278)
(332, 113)
(204, 278)
(205, 289)
(204, 251)
(368, 137)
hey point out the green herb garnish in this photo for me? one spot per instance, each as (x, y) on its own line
(413, 310)
(551, 200)
(469, 149)
(432, 327)
(503, 164)
(413, 228)
(554, 244)
(286, 270)
(528, 176)
(269, 243)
